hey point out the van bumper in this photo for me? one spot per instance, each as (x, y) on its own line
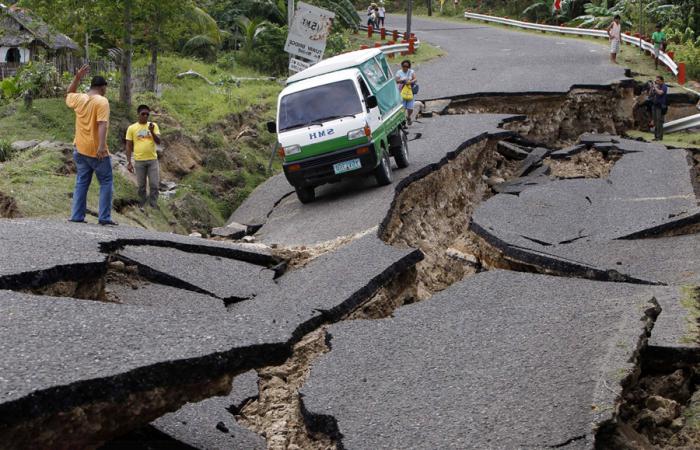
(318, 170)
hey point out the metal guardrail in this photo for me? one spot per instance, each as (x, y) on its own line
(664, 58)
(682, 124)
(395, 48)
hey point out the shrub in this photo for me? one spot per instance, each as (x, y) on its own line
(212, 139)
(40, 78)
(268, 55)
(5, 150)
(336, 44)
(10, 88)
(227, 61)
(689, 53)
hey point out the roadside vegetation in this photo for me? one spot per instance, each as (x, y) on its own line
(216, 148)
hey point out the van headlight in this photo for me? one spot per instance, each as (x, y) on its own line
(356, 134)
(292, 150)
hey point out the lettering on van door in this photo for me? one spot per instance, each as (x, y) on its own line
(322, 133)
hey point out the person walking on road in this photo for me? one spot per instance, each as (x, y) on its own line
(407, 77)
(659, 93)
(615, 35)
(90, 151)
(141, 140)
(658, 37)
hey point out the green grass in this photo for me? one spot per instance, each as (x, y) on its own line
(682, 139)
(194, 103)
(48, 119)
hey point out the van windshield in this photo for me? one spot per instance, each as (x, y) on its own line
(319, 104)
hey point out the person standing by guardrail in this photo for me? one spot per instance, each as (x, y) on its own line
(381, 14)
(659, 93)
(615, 35)
(658, 37)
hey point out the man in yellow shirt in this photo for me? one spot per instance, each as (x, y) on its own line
(141, 140)
(90, 153)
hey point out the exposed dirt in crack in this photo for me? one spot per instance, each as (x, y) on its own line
(276, 413)
(587, 164)
(434, 212)
(300, 256)
(659, 407)
(560, 117)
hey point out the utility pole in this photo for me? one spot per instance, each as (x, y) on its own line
(409, 13)
(290, 12)
(430, 7)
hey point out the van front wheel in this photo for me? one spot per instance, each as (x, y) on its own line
(401, 155)
(383, 172)
(305, 194)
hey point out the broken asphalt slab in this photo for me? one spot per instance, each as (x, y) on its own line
(224, 278)
(210, 424)
(499, 360)
(35, 252)
(103, 358)
(355, 205)
(642, 191)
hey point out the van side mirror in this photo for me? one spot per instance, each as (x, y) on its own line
(371, 102)
(272, 127)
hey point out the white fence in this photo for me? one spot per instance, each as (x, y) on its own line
(664, 58)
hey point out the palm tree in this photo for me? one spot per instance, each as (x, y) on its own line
(248, 31)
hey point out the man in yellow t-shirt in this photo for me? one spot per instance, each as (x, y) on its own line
(141, 140)
(90, 153)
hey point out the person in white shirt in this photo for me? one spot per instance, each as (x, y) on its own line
(615, 35)
(381, 13)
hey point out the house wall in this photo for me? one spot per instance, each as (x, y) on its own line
(24, 54)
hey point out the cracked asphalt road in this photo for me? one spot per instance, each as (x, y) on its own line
(356, 205)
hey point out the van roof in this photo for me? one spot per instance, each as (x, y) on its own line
(346, 74)
(340, 62)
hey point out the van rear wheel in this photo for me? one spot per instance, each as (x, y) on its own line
(305, 194)
(383, 173)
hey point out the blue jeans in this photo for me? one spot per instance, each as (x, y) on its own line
(85, 167)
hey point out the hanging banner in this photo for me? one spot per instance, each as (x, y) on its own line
(309, 31)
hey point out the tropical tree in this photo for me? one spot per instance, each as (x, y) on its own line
(249, 30)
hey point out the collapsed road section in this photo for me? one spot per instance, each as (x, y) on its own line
(98, 369)
(103, 369)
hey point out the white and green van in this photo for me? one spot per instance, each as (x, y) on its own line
(341, 117)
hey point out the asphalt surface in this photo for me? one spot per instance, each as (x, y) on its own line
(499, 360)
(225, 278)
(578, 224)
(483, 59)
(356, 205)
(210, 425)
(85, 351)
(35, 252)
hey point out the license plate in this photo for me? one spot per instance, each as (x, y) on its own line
(346, 166)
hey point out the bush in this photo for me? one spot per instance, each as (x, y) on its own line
(10, 88)
(5, 150)
(336, 44)
(227, 61)
(212, 139)
(40, 78)
(689, 53)
(268, 55)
